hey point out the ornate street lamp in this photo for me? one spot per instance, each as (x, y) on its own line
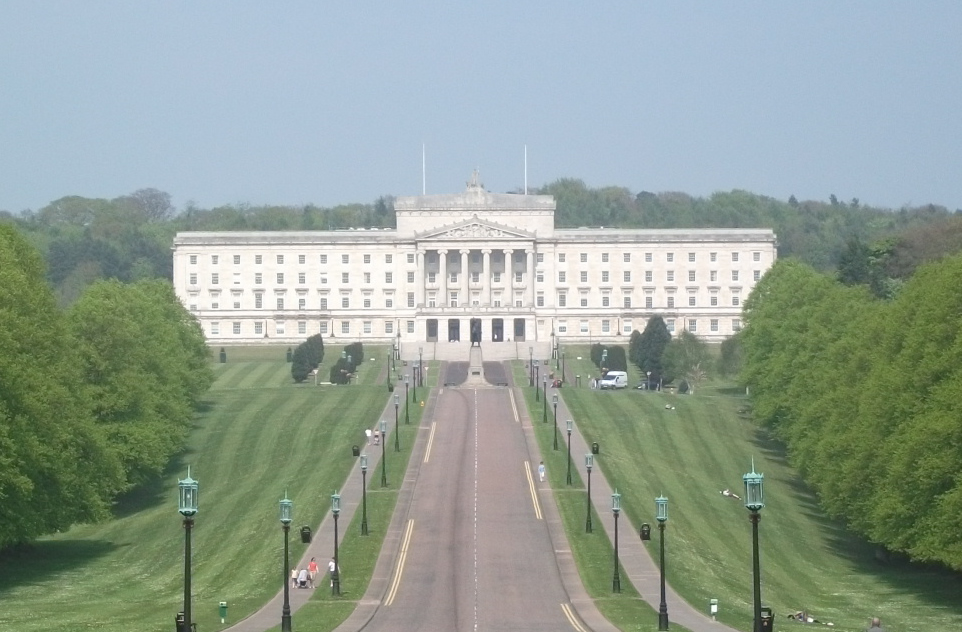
(661, 515)
(754, 501)
(589, 461)
(537, 375)
(544, 382)
(554, 401)
(287, 516)
(570, 424)
(383, 457)
(563, 366)
(363, 494)
(187, 506)
(420, 366)
(397, 436)
(604, 359)
(530, 366)
(407, 416)
(335, 574)
(616, 509)
(648, 381)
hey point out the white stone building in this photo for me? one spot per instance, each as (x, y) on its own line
(470, 260)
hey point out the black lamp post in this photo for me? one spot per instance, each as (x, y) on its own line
(589, 461)
(335, 574)
(616, 509)
(420, 366)
(397, 437)
(530, 366)
(544, 385)
(383, 457)
(537, 374)
(648, 381)
(661, 515)
(570, 424)
(754, 501)
(562, 366)
(363, 494)
(554, 401)
(287, 516)
(187, 506)
(407, 416)
(414, 385)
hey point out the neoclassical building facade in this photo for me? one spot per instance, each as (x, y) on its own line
(475, 261)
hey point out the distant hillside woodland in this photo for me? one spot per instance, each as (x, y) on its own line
(852, 358)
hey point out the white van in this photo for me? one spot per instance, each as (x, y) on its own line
(614, 379)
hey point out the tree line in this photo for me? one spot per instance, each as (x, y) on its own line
(94, 400)
(867, 395)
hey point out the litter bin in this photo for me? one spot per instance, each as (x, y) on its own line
(766, 619)
(645, 531)
(290, 355)
(223, 355)
(356, 451)
(179, 622)
(223, 611)
(306, 534)
(595, 448)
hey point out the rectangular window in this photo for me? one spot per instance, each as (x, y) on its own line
(280, 278)
(736, 324)
(410, 277)
(671, 302)
(410, 326)
(691, 301)
(562, 299)
(280, 302)
(627, 302)
(258, 301)
(539, 300)
(410, 257)
(345, 277)
(236, 328)
(734, 275)
(584, 300)
(214, 279)
(192, 307)
(539, 276)
(366, 326)
(604, 276)
(691, 256)
(562, 277)
(691, 276)
(258, 259)
(367, 277)
(367, 258)
(604, 257)
(323, 260)
(193, 260)
(453, 299)
(302, 277)
(301, 327)
(388, 258)
(345, 302)
(648, 276)
(323, 302)
(670, 275)
(626, 326)
(627, 276)
(496, 277)
(583, 325)
(584, 257)
(734, 256)
(367, 302)
(649, 302)
(259, 328)
(323, 327)
(258, 278)
(345, 327)
(389, 302)
(670, 324)
(606, 326)
(670, 257)
(627, 257)
(692, 325)
(606, 300)
(323, 278)
(540, 257)
(562, 327)
(302, 259)
(345, 259)
(454, 277)
(713, 276)
(236, 260)
(756, 256)
(561, 257)
(736, 301)
(389, 326)
(389, 277)
(713, 324)
(648, 257)
(584, 276)
(410, 299)
(301, 303)
(518, 277)
(714, 300)
(756, 275)
(280, 259)
(214, 259)
(215, 305)
(237, 278)
(193, 278)
(713, 256)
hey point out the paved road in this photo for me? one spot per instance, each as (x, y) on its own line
(479, 556)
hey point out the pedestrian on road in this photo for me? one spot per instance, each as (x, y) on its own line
(312, 571)
(293, 578)
(368, 433)
(541, 471)
(876, 625)
(331, 567)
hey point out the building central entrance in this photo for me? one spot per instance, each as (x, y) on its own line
(454, 330)
(497, 329)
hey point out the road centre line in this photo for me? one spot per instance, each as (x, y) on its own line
(514, 407)
(572, 619)
(533, 490)
(427, 452)
(399, 569)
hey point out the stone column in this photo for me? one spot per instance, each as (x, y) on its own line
(486, 278)
(509, 272)
(443, 274)
(420, 296)
(529, 273)
(465, 279)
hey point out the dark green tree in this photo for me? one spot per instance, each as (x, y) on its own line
(650, 348)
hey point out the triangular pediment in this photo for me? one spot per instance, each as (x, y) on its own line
(475, 228)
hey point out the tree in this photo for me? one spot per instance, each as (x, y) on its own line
(300, 363)
(687, 357)
(650, 348)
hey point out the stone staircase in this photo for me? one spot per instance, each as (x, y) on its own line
(461, 351)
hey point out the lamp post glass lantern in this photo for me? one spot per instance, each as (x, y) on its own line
(589, 461)
(570, 427)
(754, 501)
(287, 516)
(554, 401)
(363, 494)
(187, 507)
(661, 515)
(616, 509)
(335, 574)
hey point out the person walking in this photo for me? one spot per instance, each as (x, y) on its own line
(876, 625)
(541, 471)
(331, 567)
(311, 572)
(294, 578)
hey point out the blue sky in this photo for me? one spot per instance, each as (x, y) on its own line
(329, 103)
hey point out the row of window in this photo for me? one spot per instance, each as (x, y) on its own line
(649, 276)
(389, 258)
(691, 324)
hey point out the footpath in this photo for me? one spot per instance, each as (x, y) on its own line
(638, 566)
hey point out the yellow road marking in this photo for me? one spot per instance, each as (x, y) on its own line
(427, 452)
(399, 569)
(572, 619)
(514, 407)
(534, 491)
